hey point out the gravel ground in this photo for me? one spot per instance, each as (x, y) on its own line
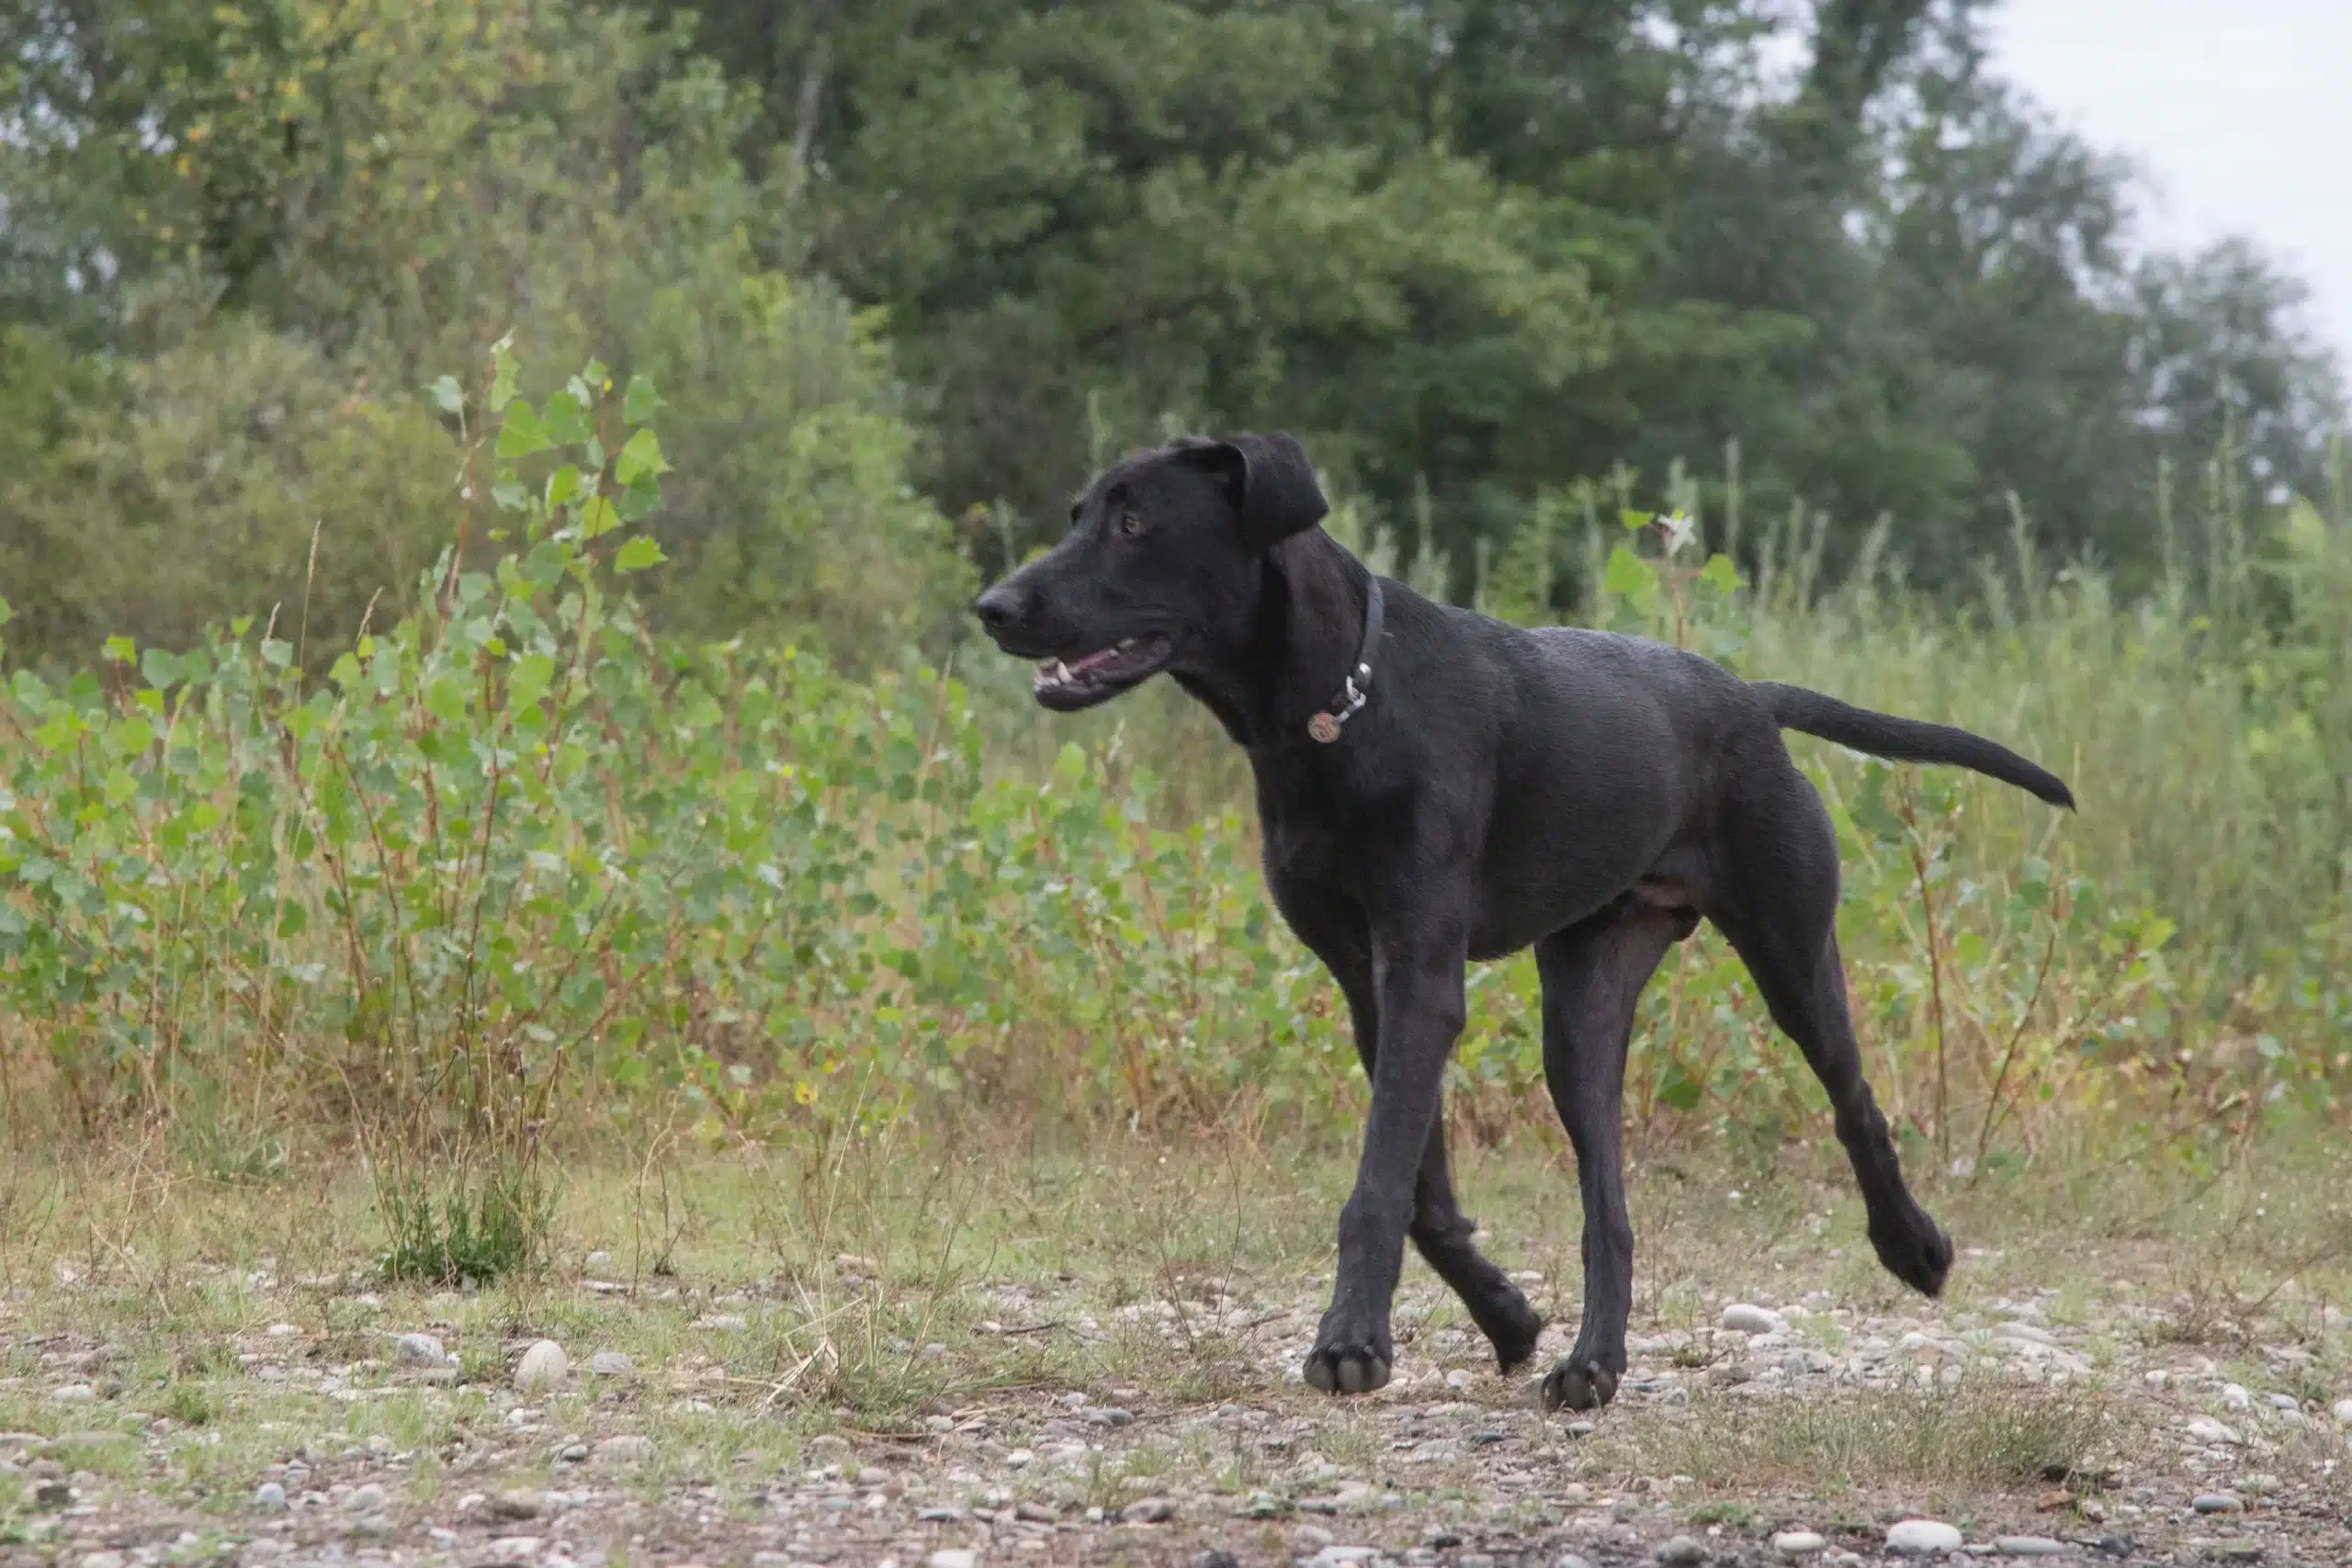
(771, 1426)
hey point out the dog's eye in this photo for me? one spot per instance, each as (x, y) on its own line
(1131, 526)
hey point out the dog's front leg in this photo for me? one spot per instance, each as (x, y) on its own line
(1417, 971)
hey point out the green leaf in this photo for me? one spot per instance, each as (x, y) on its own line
(562, 485)
(445, 699)
(1629, 574)
(638, 554)
(7, 614)
(161, 669)
(566, 423)
(1721, 574)
(528, 681)
(642, 499)
(449, 395)
(641, 403)
(1636, 522)
(1679, 1090)
(641, 457)
(521, 434)
(597, 518)
(510, 495)
(118, 650)
(502, 381)
(276, 652)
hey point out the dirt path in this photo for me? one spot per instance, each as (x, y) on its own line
(252, 1420)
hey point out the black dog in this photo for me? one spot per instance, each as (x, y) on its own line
(1435, 786)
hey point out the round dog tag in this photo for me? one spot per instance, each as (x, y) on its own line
(1323, 728)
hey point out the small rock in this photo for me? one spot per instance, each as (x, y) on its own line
(1110, 1415)
(269, 1497)
(574, 1454)
(2205, 1430)
(609, 1364)
(2285, 1402)
(419, 1350)
(53, 1493)
(1798, 1543)
(2115, 1546)
(954, 1557)
(2234, 1395)
(2344, 1411)
(627, 1448)
(544, 1366)
(102, 1560)
(1742, 1318)
(73, 1393)
(364, 1499)
(1342, 1556)
(1922, 1537)
(2217, 1503)
(1571, 1560)
(1683, 1551)
(514, 1549)
(725, 1321)
(1216, 1556)
(1147, 1511)
(850, 1263)
(517, 1504)
(2027, 1545)
(1457, 1378)
(282, 1331)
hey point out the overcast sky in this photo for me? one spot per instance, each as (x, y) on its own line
(2238, 112)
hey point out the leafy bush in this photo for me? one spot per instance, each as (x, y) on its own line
(512, 870)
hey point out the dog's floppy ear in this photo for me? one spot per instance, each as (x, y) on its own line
(1271, 482)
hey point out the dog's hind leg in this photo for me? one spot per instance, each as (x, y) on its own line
(1593, 975)
(1779, 910)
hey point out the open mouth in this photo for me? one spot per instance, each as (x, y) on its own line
(1067, 685)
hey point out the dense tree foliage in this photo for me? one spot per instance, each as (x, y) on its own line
(1485, 253)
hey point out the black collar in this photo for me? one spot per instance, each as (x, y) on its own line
(1356, 690)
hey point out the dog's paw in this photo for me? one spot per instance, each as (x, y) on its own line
(1578, 1383)
(1350, 1359)
(1510, 1325)
(1916, 1252)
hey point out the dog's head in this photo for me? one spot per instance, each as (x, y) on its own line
(1162, 563)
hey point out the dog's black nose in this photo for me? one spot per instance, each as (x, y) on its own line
(1000, 607)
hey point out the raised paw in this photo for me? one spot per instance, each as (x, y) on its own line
(1579, 1383)
(1916, 1252)
(1510, 1325)
(1349, 1359)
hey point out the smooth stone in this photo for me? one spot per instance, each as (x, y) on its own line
(1799, 1543)
(269, 1496)
(1340, 1556)
(1571, 1560)
(1922, 1537)
(2027, 1545)
(1683, 1551)
(364, 1499)
(2217, 1503)
(1741, 1318)
(609, 1364)
(2205, 1430)
(517, 1504)
(627, 1448)
(73, 1393)
(954, 1557)
(544, 1366)
(1148, 1511)
(419, 1350)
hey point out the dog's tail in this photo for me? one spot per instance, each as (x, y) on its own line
(1907, 739)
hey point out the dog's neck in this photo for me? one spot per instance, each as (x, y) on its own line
(1306, 634)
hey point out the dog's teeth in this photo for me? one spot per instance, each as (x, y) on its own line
(1061, 671)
